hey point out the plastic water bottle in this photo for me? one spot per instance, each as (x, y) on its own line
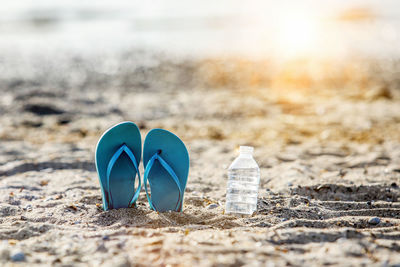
(243, 181)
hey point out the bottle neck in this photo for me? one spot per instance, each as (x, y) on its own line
(245, 155)
(246, 151)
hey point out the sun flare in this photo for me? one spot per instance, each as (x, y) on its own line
(297, 33)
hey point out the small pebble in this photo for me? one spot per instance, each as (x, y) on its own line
(19, 256)
(290, 184)
(102, 248)
(212, 206)
(28, 207)
(105, 237)
(374, 221)
(49, 199)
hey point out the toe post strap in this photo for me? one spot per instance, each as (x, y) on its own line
(172, 174)
(123, 149)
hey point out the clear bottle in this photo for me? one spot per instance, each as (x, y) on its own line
(243, 181)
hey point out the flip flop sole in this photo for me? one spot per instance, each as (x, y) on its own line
(121, 186)
(164, 191)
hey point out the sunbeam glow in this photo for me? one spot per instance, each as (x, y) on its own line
(297, 33)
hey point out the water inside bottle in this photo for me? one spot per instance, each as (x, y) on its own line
(242, 191)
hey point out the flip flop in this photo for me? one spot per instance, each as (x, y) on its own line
(166, 162)
(118, 154)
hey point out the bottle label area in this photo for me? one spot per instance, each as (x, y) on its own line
(242, 190)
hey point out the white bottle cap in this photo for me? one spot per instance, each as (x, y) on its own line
(246, 149)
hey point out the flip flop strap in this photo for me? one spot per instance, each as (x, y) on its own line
(114, 158)
(170, 171)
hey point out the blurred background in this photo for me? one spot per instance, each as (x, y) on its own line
(314, 33)
(117, 60)
(265, 29)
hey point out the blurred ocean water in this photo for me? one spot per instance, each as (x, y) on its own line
(202, 28)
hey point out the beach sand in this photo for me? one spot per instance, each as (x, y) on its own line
(329, 160)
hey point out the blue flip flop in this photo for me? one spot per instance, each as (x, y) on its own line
(118, 154)
(166, 162)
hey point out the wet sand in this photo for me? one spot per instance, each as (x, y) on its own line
(329, 159)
